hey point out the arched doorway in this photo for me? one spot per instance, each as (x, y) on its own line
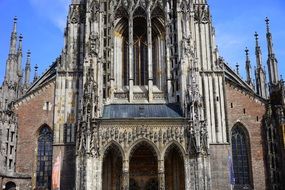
(112, 168)
(143, 168)
(10, 186)
(174, 169)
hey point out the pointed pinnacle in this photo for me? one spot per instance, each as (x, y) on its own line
(15, 24)
(237, 67)
(256, 39)
(246, 50)
(267, 24)
(256, 36)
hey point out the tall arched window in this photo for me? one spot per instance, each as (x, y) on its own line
(140, 47)
(138, 66)
(44, 159)
(241, 157)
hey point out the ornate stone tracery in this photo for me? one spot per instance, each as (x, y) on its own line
(77, 14)
(201, 13)
(116, 43)
(94, 44)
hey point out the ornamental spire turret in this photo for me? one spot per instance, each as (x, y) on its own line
(248, 68)
(28, 68)
(13, 40)
(258, 52)
(12, 60)
(36, 73)
(272, 62)
(237, 68)
(20, 56)
(259, 72)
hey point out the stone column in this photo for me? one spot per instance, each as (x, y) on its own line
(98, 165)
(131, 61)
(149, 54)
(112, 74)
(126, 174)
(188, 177)
(161, 175)
(168, 61)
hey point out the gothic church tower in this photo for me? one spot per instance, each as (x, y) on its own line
(139, 79)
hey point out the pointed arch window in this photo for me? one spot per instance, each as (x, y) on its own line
(241, 157)
(148, 37)
(44, 158)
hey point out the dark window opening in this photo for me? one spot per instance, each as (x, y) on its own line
(241, 158)
(11, 149)
(12, 136)
(10, 163)
(44, 161)
(8, 131)
(7, 148)
(69, 133)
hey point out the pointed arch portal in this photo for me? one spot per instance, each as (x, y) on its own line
(143, 168)
(174, 169)
(112, 168)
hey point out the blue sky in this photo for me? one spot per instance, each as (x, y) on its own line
(42, 24)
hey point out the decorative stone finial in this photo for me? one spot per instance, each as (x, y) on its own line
(267, 24)
(237, 68)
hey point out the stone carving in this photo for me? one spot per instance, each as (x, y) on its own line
(188, 47)
(123, 136)
(77, 14)
(94, 143)
(87, 138)
(185, 7)
(132, 5)
(121, 95)
(197, 131)
(204, 139)
(139, 96)
(158, 96)
(94, 10)
(201, 13)
(94, 43)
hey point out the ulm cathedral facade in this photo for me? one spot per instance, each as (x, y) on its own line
(140, 99)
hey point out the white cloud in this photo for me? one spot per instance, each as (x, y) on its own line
(53, 10)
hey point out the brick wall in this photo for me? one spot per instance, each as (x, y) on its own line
(33, 112)
(249, 111)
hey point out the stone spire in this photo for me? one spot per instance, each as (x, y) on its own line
(36, 73)
(272, 62)
(12, 60)
(248, 68)
(28, 68)
(258, 52)
(20, 56)
(259, 72)
(13, 40)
